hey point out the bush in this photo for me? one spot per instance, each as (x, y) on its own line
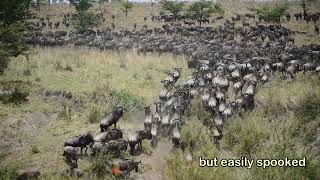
(197, 109)
(246, 136)
(273, 107)
(8, 173)
(100, 165)
(273, 13)
(309, 108)
(65, 112)
(35, 149)
(82, 5)
(86, 20)
(128, 101)
(15, 92)
(94, 114)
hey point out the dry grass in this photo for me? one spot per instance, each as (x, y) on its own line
(91, 70)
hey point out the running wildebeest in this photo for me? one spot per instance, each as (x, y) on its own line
(112, 134)
(81, 141)
(137, 138)
(125, 166)
(111, 118)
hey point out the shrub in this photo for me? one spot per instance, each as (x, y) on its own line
(128, 101)
(8, 173)
(65, 112)
(16, 92)
(246, 136)
(197, 109)
(35, 149)
(100, 165)
(308, 108)
(86, 20)
(273, 13)
(94, 114)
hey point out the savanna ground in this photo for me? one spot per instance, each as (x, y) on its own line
(32, 133)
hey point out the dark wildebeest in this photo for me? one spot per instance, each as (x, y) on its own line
(125, 166)
(28, 175)
(112, 134)
(111, 118)
(137, 138)
(113, 146)
(81, 141)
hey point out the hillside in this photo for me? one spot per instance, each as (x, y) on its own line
(60, 91)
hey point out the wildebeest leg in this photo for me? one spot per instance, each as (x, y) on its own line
(115, 125)
(86, 150)
(81, 150)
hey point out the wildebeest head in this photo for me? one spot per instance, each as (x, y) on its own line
(147, 110)
(118, 110)
(145, 134)
(88, 138)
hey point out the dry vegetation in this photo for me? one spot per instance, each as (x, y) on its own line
(90, 72)
(84, 72)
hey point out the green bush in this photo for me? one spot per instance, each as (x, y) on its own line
(308, 108)
(86, 20)
(272, 13)
(100, 165)
(18, 91)
(8, 173)
(35, 149)
(127, 101)
(246, 136)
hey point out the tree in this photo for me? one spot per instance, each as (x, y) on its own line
(306, 4)
(202, 9)
(13, 16)
(126, 6)
(82, 5)
(84, 19)
(273, 13)
(174, 7)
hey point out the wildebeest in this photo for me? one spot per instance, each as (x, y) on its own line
(28, 175)
(111, 118)
(112, 134)
(137, 138)
(125, 166)
(114, 147)
(81, 141)
(148, 118)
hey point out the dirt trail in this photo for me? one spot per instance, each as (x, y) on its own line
(154, 165)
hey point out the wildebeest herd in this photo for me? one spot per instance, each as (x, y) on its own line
(230, 62)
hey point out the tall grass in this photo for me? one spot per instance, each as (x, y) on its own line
(283, 125)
